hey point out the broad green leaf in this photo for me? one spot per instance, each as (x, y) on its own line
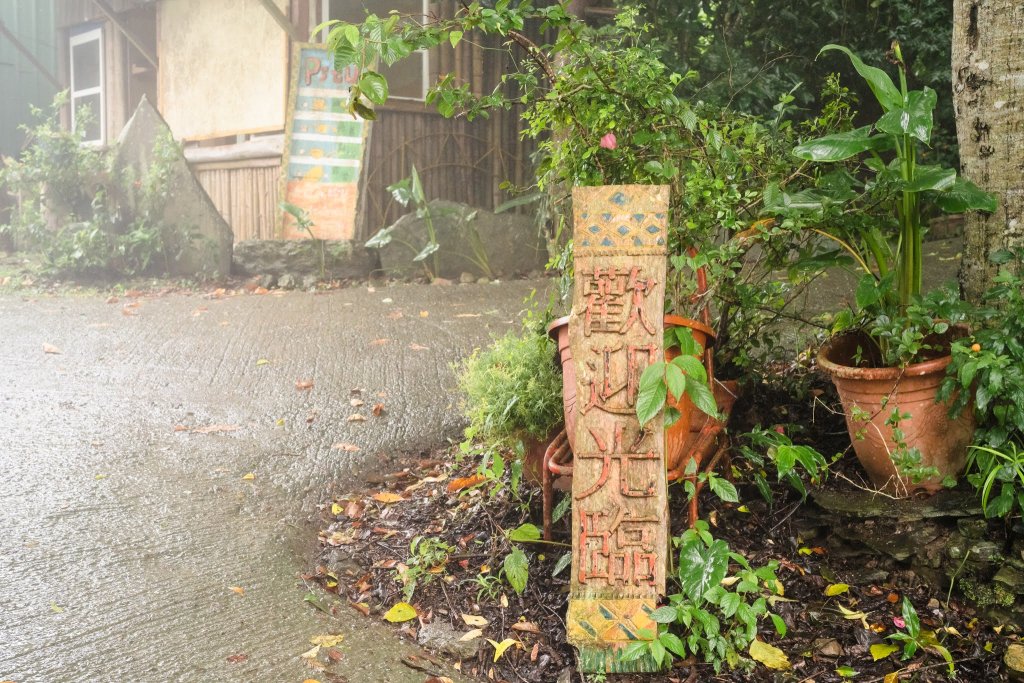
(886, 92)
(652, 393)
(693, 368)
(729, 603)
(965, 196)
(517, 570)
(724, 489)
(564, 561)
(702, 567)
(915, 119)
(839, 146)
(524, 533)
(673, 644)
(769, 655)
(882, 650)
(846, 672)
(868, 292)
(561, 508)
(664, 615)
(382, 238)
(780, 624)
(454, 37)
(374, 86)
(427, 251)
(702, 398)
(931, 178)
(675, 379)
(401, 611)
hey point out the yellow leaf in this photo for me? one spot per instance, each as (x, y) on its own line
(237, 589)
(804, 551)
(503, 600)
(835, 589)
(742, 508)
(336, 509)
(311, 653)
(57, 609)
(474, 620)
(310, 680)
(499, 648)
(769, 655)
(853, 616)
(262, 361)
(402, 611)
(327, 640)
(471, 635)
(101, 476)
(386, 497)
(882, 650)
(249, 477)
(891, 678)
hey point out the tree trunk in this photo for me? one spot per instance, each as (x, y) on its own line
(988, 97)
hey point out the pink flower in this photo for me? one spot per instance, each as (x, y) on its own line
(609, 142)
(898, 621)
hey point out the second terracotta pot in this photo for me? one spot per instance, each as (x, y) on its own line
(869, 397)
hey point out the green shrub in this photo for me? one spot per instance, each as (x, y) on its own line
(512, 389)
(82, 213)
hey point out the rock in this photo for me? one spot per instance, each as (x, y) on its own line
(1014, 661)
(482, 281)
(565, 676)
(268, 281)
(309, 281)
(302, 257)
(467, 278)
(509, 241)
(208, 253)
(828, 647)
(440, 281)
(286, 281)
(441, 637)
(1010, 577)
(973, 528)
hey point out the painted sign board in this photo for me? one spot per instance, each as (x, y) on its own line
(619, 497)
(325, 146)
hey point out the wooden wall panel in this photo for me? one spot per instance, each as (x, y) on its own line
(245, 193)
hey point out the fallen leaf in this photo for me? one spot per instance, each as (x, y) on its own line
(438, 679)
(249, 477)
(500, 648)
(112, 300)
(100, 477)
(342, 446)
(891, 678)
(379, 342)
(336, 509)
(418, 347)
(327, 640)
(378, 409)
(361, 607)
(471, 635)
(503, 600)
(303, 384)
(457, 485)
(55, 608)
(526, 627)
(356, 402)
(316, 601)
(356, 418)
(882, 650)
(262, 361)
(853, 616)
(835, 589)
(769, 655)
(354, 509)
(237, 589)
(311, 680)
(474, 620)
(50, 348)
(468, 315)
(424, 314)
(401, 611)
(311, 653)
(846, 672)
(387, 497)
(215, 429)
(238, 658)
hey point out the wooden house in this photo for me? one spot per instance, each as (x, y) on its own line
(219, 71)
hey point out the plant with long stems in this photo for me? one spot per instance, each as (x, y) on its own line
(895, 197)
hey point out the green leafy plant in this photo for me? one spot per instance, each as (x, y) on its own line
(683, 375)
(427, 559)
(914, 638)
(306, 224)
(512, 390)
(410, 191)
(716, 610)
(765, 448)
(871, 204)
(85, 215)
(989, 468)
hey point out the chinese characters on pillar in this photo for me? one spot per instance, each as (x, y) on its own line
(619, 497)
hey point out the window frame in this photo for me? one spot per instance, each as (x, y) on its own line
(82, 36)
(325, 9)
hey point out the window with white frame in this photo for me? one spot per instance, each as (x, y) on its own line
(409, 79)
(87, 111)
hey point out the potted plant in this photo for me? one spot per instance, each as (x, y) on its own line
(889, 355)
(511, 392)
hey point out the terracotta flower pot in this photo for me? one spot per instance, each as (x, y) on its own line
(678, 435)
(876, 392)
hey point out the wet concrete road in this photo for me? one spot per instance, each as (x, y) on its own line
(121, 533)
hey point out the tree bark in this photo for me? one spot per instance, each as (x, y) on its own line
(988, 99)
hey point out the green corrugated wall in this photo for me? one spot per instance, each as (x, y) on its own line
(21, 84)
